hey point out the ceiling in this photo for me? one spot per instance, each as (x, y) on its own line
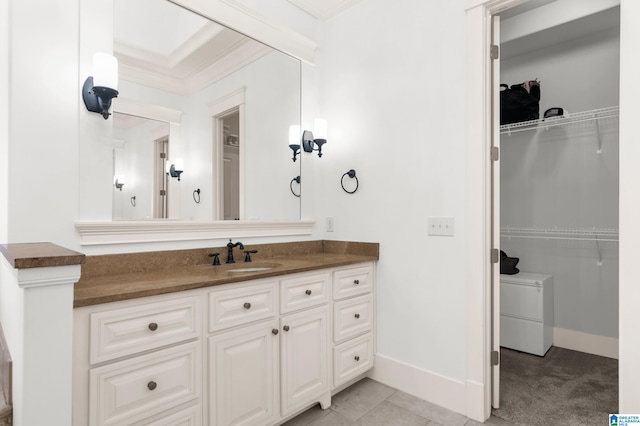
(325, 9)
(162, 45)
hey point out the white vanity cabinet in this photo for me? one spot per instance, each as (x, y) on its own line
(138, 362)
(252, 353)
(353, 309)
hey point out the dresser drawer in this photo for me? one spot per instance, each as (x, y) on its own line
(352, 358)
(304, 292)
(126, 331)
(352, 317)
(128, 391)
(352, 282)
(242, 305)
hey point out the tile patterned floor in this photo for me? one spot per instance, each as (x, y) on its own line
(369, 403)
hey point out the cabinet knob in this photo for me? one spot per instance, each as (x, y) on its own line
(357, 316)
(308, 292)
(247, 305)
(357, 358)
(153, 326)
(356, 282)
(285, 328)
(274, 331)
(152, 385)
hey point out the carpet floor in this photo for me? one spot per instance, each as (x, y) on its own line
(563, 387)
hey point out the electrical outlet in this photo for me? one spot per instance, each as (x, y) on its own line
(329, 224)
(440, 226)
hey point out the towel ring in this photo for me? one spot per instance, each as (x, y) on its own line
(352, 174)
(196, 196)
(296, 180)
(133, 201)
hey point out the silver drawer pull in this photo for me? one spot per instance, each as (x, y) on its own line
(153, 326)
(152, 385)
(357, 358)
(357, 316)
(247, 305)
(308, 292)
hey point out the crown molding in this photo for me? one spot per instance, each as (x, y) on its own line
(248, 22)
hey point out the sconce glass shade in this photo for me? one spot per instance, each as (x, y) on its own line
(294, 134)
(179, 164)
(105, 71)
(320, 128)
(100, 89)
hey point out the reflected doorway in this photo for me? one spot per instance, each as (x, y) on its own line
(231, 165)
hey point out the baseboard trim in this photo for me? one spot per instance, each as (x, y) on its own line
(585, 342)
(420, 383)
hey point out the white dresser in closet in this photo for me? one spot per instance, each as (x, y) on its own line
(526, 312)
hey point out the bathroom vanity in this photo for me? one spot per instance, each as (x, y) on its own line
(241, 344)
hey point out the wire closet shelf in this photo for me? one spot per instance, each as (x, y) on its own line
(579, 117)
(555, 233)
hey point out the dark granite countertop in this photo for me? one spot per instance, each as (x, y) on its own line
(97, 286)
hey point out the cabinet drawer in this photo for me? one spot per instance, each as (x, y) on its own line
(128, 391)
(352, 317)
(352, 358)
(241, 305)
(191, 416)
(121, 332)
(304, 292)
(352, 282)
(522, 301)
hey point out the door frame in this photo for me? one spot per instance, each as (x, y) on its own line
(478, 83)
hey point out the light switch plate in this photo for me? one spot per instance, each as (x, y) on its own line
(440, 226)
(329, 224)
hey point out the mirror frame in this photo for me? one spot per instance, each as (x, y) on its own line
(238, 17)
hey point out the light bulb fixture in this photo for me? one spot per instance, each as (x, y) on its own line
(98, 90)
(308, 141)
(294, 137)
(176, 168)
(119, 182)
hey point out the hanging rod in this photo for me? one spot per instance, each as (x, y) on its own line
(579, 117)
(581, 234)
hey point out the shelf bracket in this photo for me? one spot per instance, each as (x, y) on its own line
(599, 150)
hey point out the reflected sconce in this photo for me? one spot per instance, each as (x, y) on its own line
(308, 140)
(176, 169)
(119, 182)
(102, 87)
(294, 138)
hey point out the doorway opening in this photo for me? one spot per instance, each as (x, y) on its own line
(556, 191)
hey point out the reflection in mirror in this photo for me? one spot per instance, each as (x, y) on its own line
(237, 99)
(141, 148)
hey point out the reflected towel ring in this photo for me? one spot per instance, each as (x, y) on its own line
(196, 195)
(133, 201)
(352, 174)
(297, 180)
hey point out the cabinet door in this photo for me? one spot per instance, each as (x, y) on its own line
(243, 376)
(304, 358)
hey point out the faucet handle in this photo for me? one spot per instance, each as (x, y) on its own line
(248, 253)
(216, 259)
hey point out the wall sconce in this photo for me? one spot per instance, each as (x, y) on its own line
(98, 90)
(176, 169)
(308, 141)
(119, 182)
(294, 137)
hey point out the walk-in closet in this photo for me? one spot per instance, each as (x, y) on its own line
(559, 180)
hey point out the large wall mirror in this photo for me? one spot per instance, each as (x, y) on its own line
(233, 100)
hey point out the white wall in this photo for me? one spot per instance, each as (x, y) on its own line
(391, 87)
